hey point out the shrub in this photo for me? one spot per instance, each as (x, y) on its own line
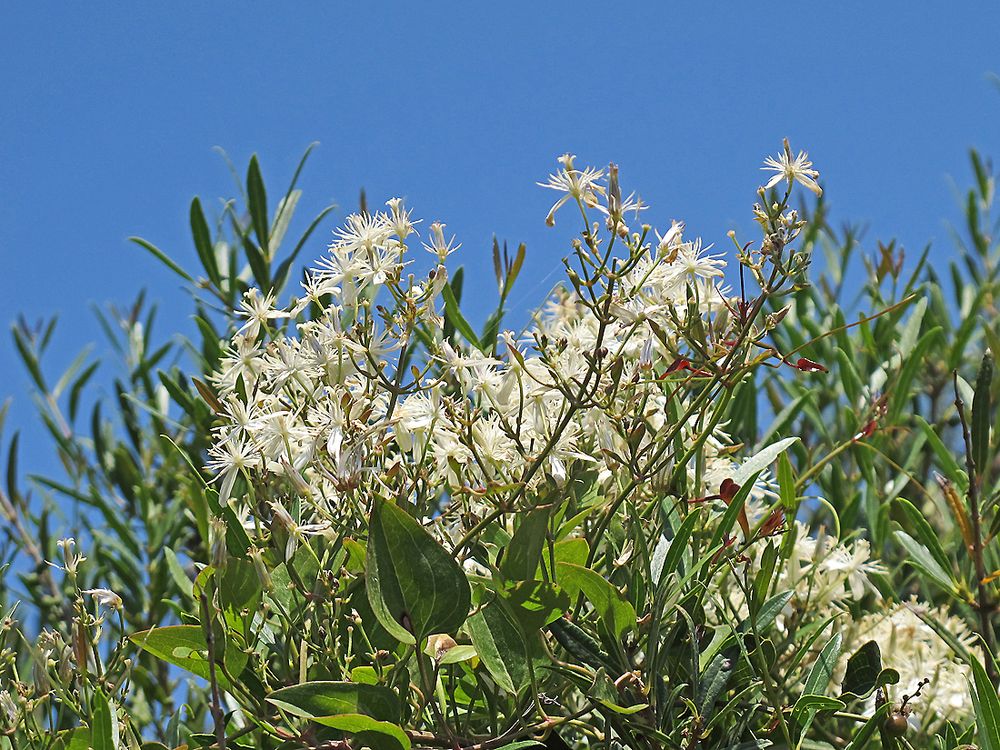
(698, 501)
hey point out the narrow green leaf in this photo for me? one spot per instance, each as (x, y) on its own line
(257, 200)
(453, 314)
(163, 257)
(946, 460)
(104, 732)
(29, 359)
(986, 705)
(982, 413)
(714, 680)
(921, 558)
(808, 704)
(862, 740)
(578, 643)
(821, 673)
(177, 573)
(678, 546)
(284, 269)
(925, 533)
(786, 486)
(203, 243)
(761, 460)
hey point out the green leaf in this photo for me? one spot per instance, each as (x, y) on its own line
(177, 573)
(761, 460)
(380, 735)
(415, 587)
(203, 243)
(535, 604)
(257, 200)
(184, 646)
(922, 559)
(768, 612)
(73, 739)
(104, 732)
(675, 552)
(578, 643)
(786, 486)
(163, 257)
(926, 534)
(821, 673)
(809, 704)
(501, 646)
(618, 615)
(986, 705)
(454, 316)
(861, 741)
(523, 553)
(863, 669)
(714, 680)
(281, 275)
(604, 692)
(865, 673)
(982, 411)
(946, 460)
(325, 698)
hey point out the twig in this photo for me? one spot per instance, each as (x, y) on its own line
(217, 715)
(983, 605)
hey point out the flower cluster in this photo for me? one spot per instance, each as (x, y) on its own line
(373, 385)
(343, 403)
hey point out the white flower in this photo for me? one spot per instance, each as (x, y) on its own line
(399, 218)
(228, 458)
(583, 186)
(8, 708)
(792, 169)
(670, 239)
(71, 559)
(695, 262)
(105, 597)
(257, 310)
(855, 567)
(362, 232)
(439, 247)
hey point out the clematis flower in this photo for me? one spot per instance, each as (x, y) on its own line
(792, 169)
(105, 598)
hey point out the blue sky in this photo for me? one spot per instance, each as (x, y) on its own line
(108, 119)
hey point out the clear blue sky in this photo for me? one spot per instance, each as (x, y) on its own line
(108, 118)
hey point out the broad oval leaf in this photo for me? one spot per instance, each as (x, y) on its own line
(184, 646)
(617, 613)
(414, 586)
(313, 700)
(501, 646)
(380, 735)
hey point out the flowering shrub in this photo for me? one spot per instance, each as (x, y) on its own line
(689, 505)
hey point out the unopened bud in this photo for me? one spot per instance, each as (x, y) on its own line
(218, 550)
(263, 575)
